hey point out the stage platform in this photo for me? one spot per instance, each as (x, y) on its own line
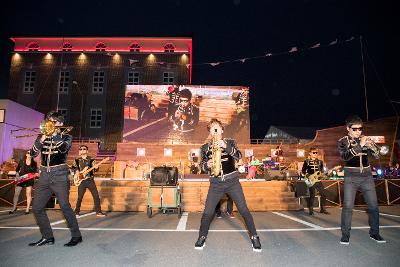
(131, 195)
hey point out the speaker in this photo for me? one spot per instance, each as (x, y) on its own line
(164, 176)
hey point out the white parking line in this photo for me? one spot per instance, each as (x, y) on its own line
(380, 213)
(183, 221)
(298, 220)
(196, 230)
(1, 211)
(80, 216)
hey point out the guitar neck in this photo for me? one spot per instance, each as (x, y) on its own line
(96, 165)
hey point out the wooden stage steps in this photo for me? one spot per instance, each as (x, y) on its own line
(130, 195)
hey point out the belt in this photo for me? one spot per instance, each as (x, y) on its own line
(52, 167)
(361, 168)
(228, 176)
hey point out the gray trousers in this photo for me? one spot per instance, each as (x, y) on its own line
(354, 181)
(56, 181)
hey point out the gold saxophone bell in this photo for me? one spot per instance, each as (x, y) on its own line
(48, 128)
(216, 157)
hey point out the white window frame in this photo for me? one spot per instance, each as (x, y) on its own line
(167, 76)
(29, 82)
(64, 82)
(98, 82)
(133, 78)
(96, 122)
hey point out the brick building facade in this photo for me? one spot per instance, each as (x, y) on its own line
(85, 77)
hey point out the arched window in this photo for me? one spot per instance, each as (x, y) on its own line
(67, 47)
(169, 48)
(33, 46)
(101, 47)
(135, 47)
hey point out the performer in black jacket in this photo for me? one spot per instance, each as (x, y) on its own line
(226, 182)
(311, 166)
(26, 166)
(354, 150)
(77, 166)
(53, 179)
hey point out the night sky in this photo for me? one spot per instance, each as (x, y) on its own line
(318, 87)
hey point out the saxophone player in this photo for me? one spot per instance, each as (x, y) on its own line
(354, 149)
(218, 157)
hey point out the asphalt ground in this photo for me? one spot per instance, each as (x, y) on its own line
(288, 238)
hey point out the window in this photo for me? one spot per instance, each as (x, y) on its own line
(64, 82)
(95, 117)
(64, 112)
(33, 46)
(101, 47)
(168, 78)
(67, 47)
(135, 47)
(98, 82)
(133, 78)
(169, 48)
(29, 84)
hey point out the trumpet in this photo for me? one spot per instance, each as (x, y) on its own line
(382, 150)
(48, 128)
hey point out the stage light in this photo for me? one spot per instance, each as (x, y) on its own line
(248, 153)
(379, 172)
(300, 153)
(48, 56)
(167, 152)
(141, 152)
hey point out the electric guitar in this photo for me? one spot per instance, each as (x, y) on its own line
(311, 179)
(82, 174)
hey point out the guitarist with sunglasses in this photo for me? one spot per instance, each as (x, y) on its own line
(312, 165)
(79, 165)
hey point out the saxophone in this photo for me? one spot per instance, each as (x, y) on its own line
(216, 157)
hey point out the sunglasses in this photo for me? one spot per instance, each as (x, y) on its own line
(184, 100)
(314, 152)
(357, 129)
(82, 149)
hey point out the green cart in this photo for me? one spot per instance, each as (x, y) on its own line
(167, 199)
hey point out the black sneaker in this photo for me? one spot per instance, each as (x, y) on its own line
(377, 238)
(324, 212)
(255, 243)
(201, 243)
(218, 215)
(345, 240)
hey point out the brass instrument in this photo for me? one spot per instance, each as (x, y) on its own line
(48, 128)
(216, 156)
(377, 150)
